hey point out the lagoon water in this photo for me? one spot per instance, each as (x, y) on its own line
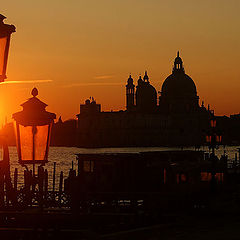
(63, 156)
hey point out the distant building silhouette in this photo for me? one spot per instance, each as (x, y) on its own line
(178, 94)
(64, 133)
(90, 107)
(176, 120)
(60, 120)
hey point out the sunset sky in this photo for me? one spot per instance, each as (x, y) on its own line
(71, 50)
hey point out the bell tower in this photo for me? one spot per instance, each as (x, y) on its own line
(130, 92)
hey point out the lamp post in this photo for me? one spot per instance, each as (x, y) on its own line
(33, 129)
(5, 36)
(213, 139)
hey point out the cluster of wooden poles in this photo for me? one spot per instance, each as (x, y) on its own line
(35, 188)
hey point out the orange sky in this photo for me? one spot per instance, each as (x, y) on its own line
(74, 49)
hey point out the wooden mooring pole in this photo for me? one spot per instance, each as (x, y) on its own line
(60, 188)
(40, 185)
(45, 184)
(15, 184)
(1, 188)
(54, 177)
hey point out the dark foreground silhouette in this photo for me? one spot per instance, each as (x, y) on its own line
(150, 195)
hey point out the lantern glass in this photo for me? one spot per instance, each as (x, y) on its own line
(3, 45)
(208, 139)
(219, 139)
(213, 123)
(33, 143)
(41, 142)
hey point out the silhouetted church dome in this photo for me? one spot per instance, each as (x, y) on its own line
(146, 90)
(179, 93)
(178, 84)
(146, 95)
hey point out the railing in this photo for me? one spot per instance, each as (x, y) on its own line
(22, 198)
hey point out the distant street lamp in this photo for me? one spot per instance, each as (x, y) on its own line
(213, 122)
(33, 129)
(213, 137)
(5, 36)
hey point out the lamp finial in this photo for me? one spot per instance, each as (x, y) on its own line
(34, 92)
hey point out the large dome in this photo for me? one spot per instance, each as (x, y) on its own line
(178, 93)
(177, 85)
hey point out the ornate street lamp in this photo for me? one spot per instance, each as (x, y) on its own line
(5, 36)
(33, 129)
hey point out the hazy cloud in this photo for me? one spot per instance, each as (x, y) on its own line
(27, 81)
(92, 84)
(104, 77)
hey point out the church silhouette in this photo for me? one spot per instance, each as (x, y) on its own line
(178, 94)
(176, 119)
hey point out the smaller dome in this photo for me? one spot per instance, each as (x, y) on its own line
(146, 95)
(146, 89)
